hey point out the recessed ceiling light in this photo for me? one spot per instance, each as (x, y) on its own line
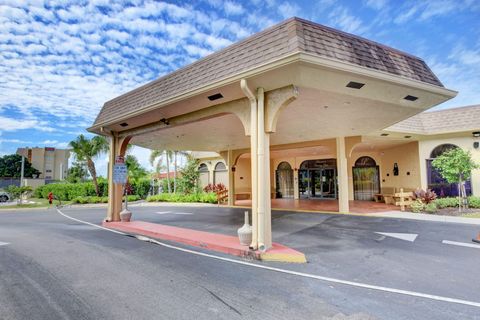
(410, 98)
(123, 124)
(215, 96)
(384, 134)
(326, 107)
(355, 85)
(407, 137)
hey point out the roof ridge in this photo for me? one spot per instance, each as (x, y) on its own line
(473, 106)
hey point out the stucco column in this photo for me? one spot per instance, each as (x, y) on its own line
(114, 190)
(267, 192)
(342, 176)
(118, 147)
(231, 178)
(254, 162)
(261, 169)
(296, 191)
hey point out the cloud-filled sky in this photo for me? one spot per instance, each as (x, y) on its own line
(61, 60)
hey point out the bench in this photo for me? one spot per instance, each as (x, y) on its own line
(222, 196)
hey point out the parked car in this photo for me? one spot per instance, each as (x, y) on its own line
(4, 197)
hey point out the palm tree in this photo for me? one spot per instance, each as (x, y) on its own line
(175, 167)
(159, 154)
(135, 169)
(88, 149)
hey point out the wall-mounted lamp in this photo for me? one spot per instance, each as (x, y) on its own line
(395, 169)
(476, 144)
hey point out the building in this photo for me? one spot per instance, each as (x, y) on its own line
(52, 163)
(294, 92)
(396, 157)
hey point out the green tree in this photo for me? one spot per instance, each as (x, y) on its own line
(11, 167)
(135, 170)
(18, 192)
(177, 153)
(190, 174)
(87, 150)
(77, 173)
(158, 155)
(456, 166)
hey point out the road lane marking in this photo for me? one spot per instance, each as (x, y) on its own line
(291, 272)
(3, 243)
(402, 236)
(173, 212)
(462, 244)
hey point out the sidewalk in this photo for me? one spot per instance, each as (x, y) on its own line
(426, 217)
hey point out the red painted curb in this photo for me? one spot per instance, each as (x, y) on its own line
(211, 241)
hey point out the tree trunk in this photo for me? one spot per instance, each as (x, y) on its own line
(168, 174)
(175, 172)
(93, 173)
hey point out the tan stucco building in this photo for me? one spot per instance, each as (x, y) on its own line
(293, 92)
(51, 162)
(297, 172)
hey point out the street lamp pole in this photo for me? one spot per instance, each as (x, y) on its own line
(22, 171)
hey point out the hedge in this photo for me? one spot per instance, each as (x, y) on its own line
(452, 202)
(178, 197)
(95, 199)
(68, 191)
(65, 191)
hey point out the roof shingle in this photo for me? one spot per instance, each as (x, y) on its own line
(287, 37)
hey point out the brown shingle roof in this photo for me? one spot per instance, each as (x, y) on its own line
(441, 121)
(290, 36)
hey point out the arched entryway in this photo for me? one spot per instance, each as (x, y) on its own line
(284, 180)
(204, 175)
(317, 179)
(435, 181)
(366, 179)
(220, 174)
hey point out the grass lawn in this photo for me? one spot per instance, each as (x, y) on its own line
(38, 203)
(472, 215)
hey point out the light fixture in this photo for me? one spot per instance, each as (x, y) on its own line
(355, 85)
(215, 96)
(410, 98)
(476, 134)
(407, 137)
(165, 121)
(124, 124)
(384, 134)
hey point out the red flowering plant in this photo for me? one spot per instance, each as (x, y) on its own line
(426, 197)
(211, 187)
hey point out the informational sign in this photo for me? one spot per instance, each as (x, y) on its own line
(120, 173)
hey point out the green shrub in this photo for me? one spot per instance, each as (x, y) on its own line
(179, 197)
(431, 207)
(449, 202)
(474, 202)
(141, 187)
(66, 191)
(417, 206)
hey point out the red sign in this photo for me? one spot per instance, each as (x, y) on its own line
(119, 160)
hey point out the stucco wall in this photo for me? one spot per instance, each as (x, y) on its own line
(409, 174)
(466, 143)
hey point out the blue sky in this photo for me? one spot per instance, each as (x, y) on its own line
(61, 60)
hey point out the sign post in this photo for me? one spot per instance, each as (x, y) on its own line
(120, 174)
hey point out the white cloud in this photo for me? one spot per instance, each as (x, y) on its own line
(376, 4)
(288, 10)
(343, 19)
(9, 124)
(232, 8)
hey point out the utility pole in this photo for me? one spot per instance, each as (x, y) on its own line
(22, 170)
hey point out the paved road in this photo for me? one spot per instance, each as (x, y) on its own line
(55, 268)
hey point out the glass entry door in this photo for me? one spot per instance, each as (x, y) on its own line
(318, 183)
